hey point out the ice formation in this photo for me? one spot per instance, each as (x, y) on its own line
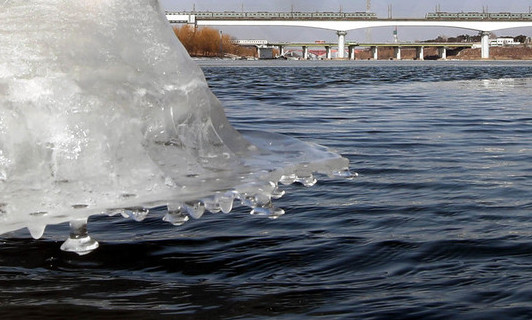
(102, 111)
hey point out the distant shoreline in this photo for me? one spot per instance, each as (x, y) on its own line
(498, 53)
(208, 62)
(517, 53)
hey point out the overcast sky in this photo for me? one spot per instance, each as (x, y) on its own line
(400, 9)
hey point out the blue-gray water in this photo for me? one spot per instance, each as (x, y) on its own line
(438, 224)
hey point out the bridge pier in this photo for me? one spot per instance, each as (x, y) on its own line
(375, 53)
(442, 53)
(485, 45)
(281, 51)
(305, 53)
(341, 44)
(420, 54)
(264, 52)
(397, 53)
(328, 54)
(351, 50)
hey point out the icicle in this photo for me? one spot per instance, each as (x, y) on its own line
(79, 241)
(226, 201)
(277, 193)
(175, 215)
(137, 214)
(288, 179)
(36, 230)
(306, 180)
(211, 205)
(268, 210)
(194, 209)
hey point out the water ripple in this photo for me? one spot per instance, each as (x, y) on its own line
(436, 226)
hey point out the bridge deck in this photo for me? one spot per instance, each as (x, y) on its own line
(345, 24)
(380, 44)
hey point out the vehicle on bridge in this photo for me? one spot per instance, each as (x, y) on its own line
(478, 16)
(266, 15)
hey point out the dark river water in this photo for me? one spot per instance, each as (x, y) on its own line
(438, 224)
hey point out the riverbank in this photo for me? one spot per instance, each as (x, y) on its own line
(430, 53)
(496, 53)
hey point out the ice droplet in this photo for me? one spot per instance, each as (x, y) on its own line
(247, 200)
(176, 217)
(79, 241)
(36, 230)
(346, 173)
(306, 180)
(195, 209)
(137, 214)
(226, 202)
(211, 205)
(268, 210)
(288, 179)
(262, 199)
(277, 193)
(276, 213)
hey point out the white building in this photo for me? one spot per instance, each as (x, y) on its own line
(501, 42)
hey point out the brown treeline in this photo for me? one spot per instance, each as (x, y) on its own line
(208, 42)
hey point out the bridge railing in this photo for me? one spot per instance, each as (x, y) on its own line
(344, 16)
(268, 15)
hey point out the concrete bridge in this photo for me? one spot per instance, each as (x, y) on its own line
(343, 26)
(419, 46)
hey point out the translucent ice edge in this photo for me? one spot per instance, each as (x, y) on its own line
(261, 176)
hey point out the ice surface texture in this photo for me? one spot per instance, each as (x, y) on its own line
(102, 109)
